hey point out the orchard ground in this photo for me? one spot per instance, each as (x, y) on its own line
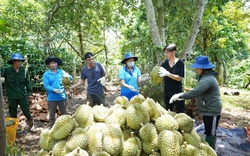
(236, 113)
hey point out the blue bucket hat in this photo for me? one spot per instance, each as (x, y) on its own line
(128, 56)
(16, 56)
(202, 62)
(53, 59)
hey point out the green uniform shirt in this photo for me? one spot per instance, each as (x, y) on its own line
(17, 84)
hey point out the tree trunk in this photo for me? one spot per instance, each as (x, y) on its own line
(220, 76)
(199, 6)
(2, 123)
(81, 43)
(153, 29)
(161, 23)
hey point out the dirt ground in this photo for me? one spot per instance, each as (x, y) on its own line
(29, 142)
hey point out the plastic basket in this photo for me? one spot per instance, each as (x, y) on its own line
(11, 131)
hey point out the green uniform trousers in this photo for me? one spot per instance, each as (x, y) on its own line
(24, 105)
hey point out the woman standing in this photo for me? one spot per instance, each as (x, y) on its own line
(207, 94)
(129, 76)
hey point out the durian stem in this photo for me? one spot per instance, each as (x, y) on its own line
(183, 133)
(153, 151)
(141, 124)
(185, 144)
(78, 151)
(87, 103)
(87, 128)
(138, 153)
(132, 134)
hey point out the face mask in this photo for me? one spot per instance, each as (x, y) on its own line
(130, 64)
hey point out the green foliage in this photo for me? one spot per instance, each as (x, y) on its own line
(14, 150)
(36, 58)
(42, 28)
(190, 79)
(239, 74)
(153, 91)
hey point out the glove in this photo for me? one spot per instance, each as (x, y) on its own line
(132, 88)
(163, 72)
(145, 77)
(175, 97)
(59, 91)
(102, 80)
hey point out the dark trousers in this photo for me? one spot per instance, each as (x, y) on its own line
(24, 105)
(52, 106)
(96, 99)
(179, 105)
(211, 124)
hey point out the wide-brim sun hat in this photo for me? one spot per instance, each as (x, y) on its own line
(128, 56)
(202, 62)
(16, 56)
(53, 59)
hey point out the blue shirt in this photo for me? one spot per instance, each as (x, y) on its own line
(53, 81)
(130, 78)
(92, 75)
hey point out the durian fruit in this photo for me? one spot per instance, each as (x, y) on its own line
(148, 132)
(101, 153)
(152, 109)
(78, 138)
(114, 107)
(45, 141)
(189, 139)
(62, 127)
(131, 146)
(66, 81)
(100, 113)
(202, 139)
(171, 113)
(149, 146)
(149, 137)
(166, 121)
(78, 152)
(95, 136)
(161, 109)
(101, 125)
(42, 153)
(126, 132)
(135, 115)
(195, 135)
(112, 139)
(60, 148)
(117, 117)
(179, 136)
(153, 153)
(84, 116)
(188, 150)
(206, 150)
(168, 143)
(122, 100)
(154, 75)
(138, 99)
(185, 122)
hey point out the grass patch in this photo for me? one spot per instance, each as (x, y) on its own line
(239, 102)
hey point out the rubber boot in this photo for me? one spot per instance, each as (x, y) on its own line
(211, 140)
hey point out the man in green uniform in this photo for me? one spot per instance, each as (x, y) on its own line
(18, 88)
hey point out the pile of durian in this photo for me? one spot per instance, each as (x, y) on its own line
(139, 127)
